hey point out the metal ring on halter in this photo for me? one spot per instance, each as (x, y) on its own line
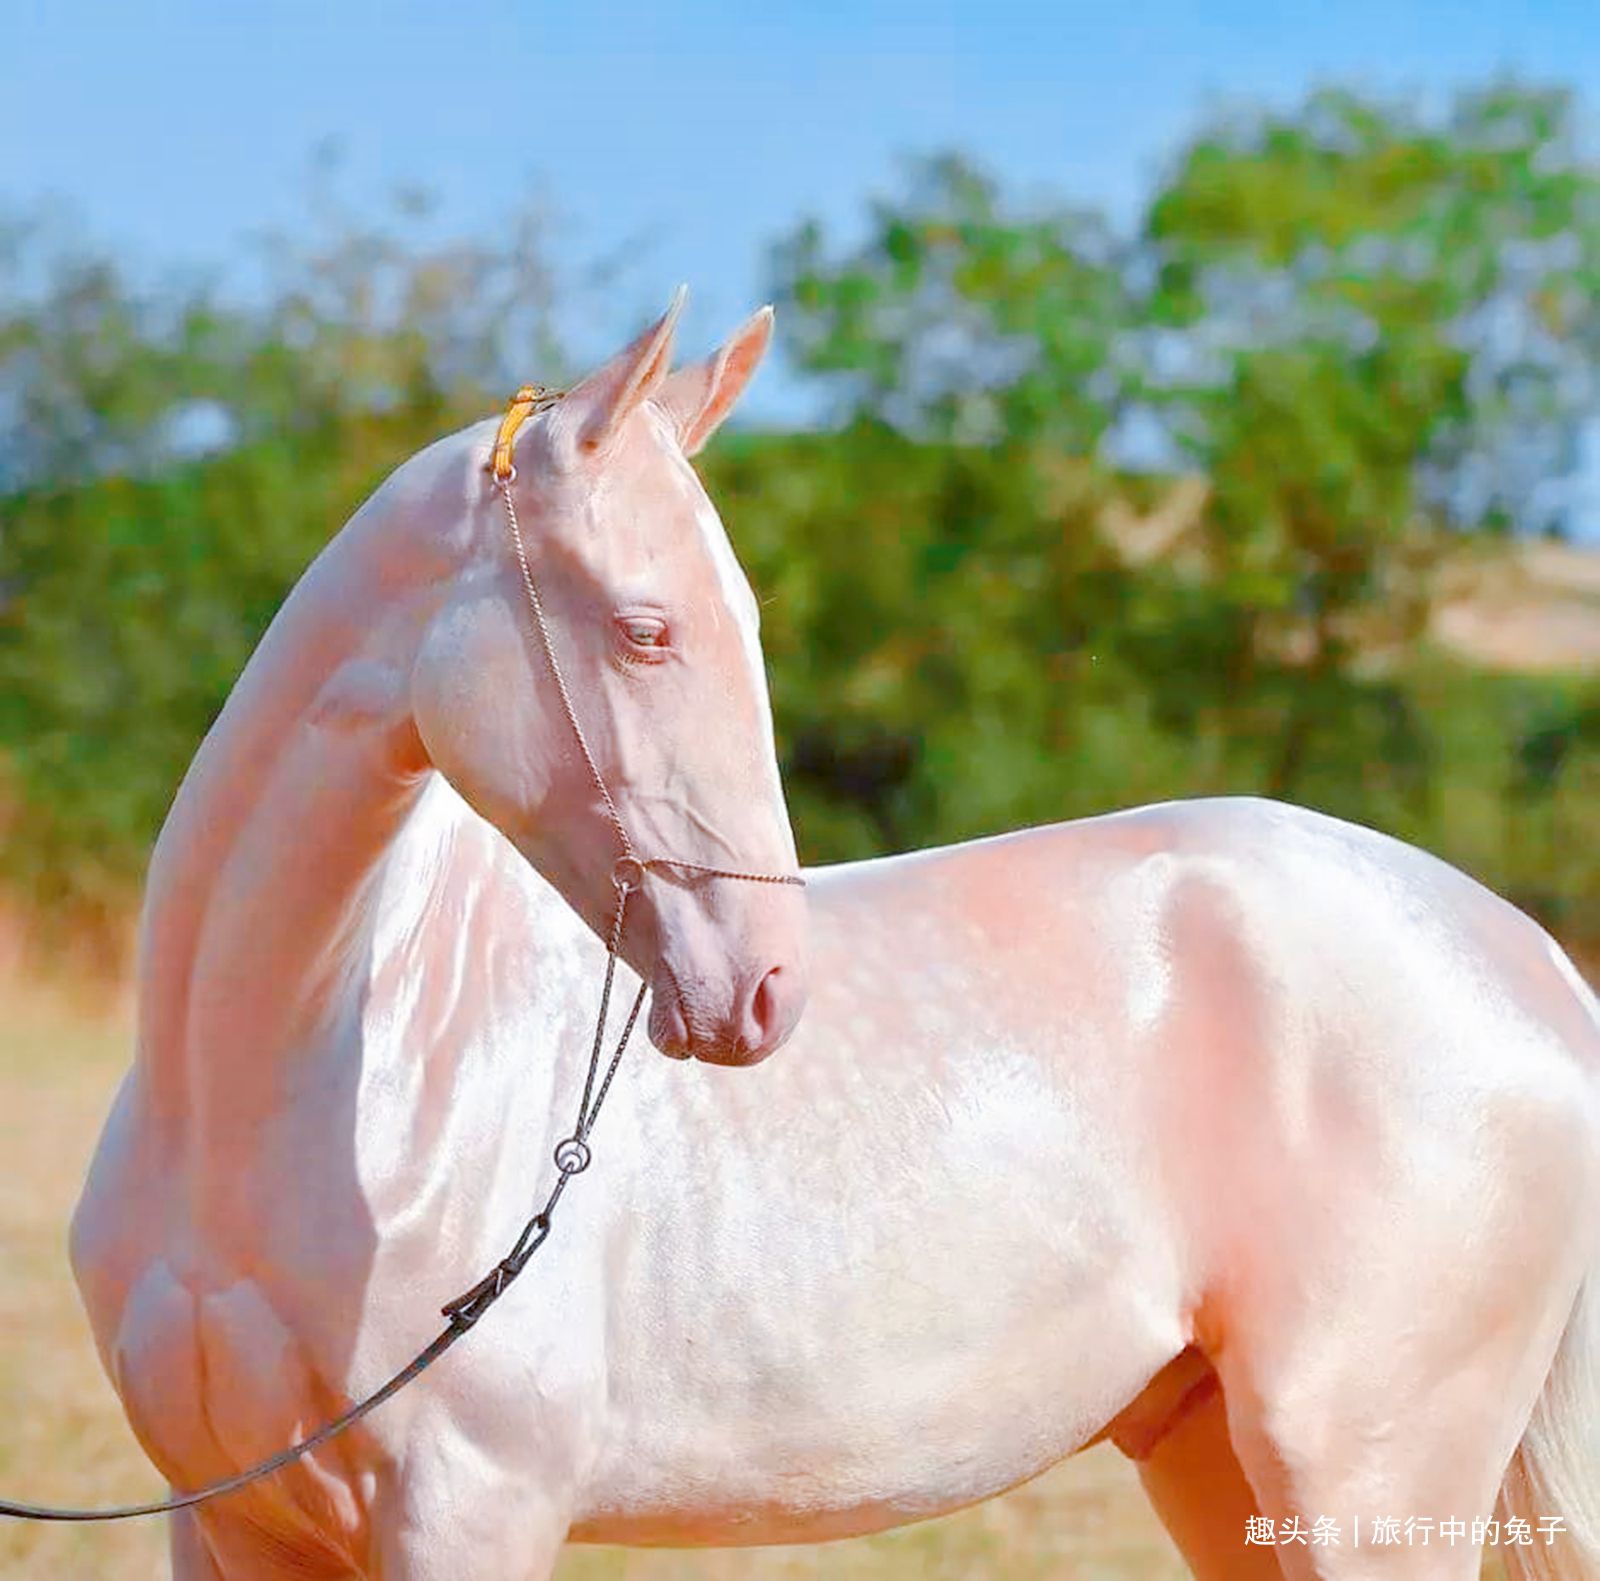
(508, 479)
(627, 875)
(572, 1156)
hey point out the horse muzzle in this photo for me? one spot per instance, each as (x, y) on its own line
(763, 1012)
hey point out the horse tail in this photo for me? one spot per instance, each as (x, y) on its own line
(1555, 1471)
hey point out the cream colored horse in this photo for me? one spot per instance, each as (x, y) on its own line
(1258, 1142)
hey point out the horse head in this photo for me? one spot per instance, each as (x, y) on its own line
(593, 685)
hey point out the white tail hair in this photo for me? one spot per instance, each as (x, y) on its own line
(1556, 1469)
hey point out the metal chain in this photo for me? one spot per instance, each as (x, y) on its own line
(555, 669)
(572, 1155)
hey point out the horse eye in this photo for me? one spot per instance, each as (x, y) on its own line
(645, 633)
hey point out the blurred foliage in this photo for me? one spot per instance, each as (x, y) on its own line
(173, 464)
(1369, 329)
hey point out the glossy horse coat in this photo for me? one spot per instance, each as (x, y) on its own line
(1262, 1143)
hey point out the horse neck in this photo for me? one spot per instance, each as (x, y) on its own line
(481, 989)
(260, 890)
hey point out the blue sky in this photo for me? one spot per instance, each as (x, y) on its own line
(174, 128)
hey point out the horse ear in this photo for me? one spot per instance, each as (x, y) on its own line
(697, 399)
(599, 406)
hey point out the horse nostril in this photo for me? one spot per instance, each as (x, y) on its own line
(771, 1013)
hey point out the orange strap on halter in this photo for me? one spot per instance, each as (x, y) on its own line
(531, 398)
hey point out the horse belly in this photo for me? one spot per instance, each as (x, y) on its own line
(811, 1406)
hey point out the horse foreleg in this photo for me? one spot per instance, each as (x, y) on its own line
(455, 1527)
(191, 1559)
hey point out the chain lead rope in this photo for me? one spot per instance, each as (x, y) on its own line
(572, 1155)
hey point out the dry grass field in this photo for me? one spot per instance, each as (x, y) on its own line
(62, 1437)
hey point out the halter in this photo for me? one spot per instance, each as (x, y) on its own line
(572, 1155)
(529, 400)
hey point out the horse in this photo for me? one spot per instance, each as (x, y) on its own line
(1256, 1142)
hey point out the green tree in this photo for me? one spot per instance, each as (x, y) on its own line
(963, 318)
(1380, 315)
(1470, 232)
(1359, 323)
